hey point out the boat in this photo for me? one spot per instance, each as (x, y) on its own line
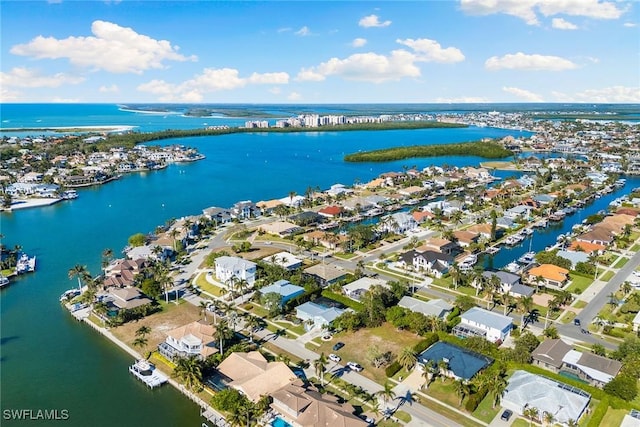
(514, 240)
(527, 258)
(147, 373)
(557, 216)
(469, 261)
(25, 264)
(70, 194)
(512, 267)
(69, 295)
(541, 224)
(492, 250)
(4, 281)
(527, 231)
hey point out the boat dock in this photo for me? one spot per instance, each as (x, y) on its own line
(147, 373)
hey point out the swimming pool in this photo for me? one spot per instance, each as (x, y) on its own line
(279, 422)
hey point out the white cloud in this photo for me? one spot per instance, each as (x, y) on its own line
(114, 48)
(210, 80)
(106, 89)
(373, 21)
(521, 61)
(8, 95)
(275, 90)
(30, 78)
(294, 96)
(561, 24)
(528, 9)
(304, 31)
(431, 51)
(359, 42)
(523, 94)
(462, 100)
(613, 94)
(630, 24)
(370, 67)
(59, 100)
(284, 29)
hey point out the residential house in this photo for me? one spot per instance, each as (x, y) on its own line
(435, 307)
(421, 216)
(218, 215)
(432, 262)
(285, 260)
(552, 276)
(316, 315)
(126, 298)
(331, 211)
(357, 288)
(233, 268)
(268, 207)
(519, 212)
(306, 407)
(280, 228)
(252, 375)
(194, 339)
(285, 289)
(121, 273)
(558, 356)
(574, 257)
(440, 245)
(477, 321)
(466, 237)
(484, 230)
(460, 363)
(586, 247)
(244, 210)
(325, 274)
(507, 280)
(399, 222)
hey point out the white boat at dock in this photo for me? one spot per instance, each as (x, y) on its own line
(492, 250)
(70, 194)
(527, 258)
(512, 267)
(527, 231)
(25, 264)
(557, 216)
(4, 281)
(541, 224)
(147, 373)
(514, 240)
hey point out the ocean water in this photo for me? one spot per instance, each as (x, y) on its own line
(50, 361)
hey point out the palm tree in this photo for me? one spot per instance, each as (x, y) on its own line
(443, 368)
(320, 365)
(548, 418)
(505, 300)
(525, 303)
(203, 308)
(189, 370)
(143, 331)
(497, 384)
(81, 273)
(386, 393)
(107, 255)
(223, 333)
(462, 389)
(140, 342)
(572, 423)
(408, 358)
(430, 372)
(531, 413)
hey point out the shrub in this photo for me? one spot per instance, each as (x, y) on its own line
(424, 344)
(343, 300)
(392, 369)
(475, 399)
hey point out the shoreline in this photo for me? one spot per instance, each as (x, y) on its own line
(109, 128)
(30, 203)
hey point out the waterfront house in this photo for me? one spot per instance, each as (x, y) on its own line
(491, 326)
(432, 262)
(435, 307)
(218, 215)
(280, 228)
(316, 315)
(421, 216)
(331, 211)
(285, 289)
(519, 212)
(244, 210)
(459, 363)
(440, 245)
(357, 288)
(193, 339)
(466, 237)
(526, 390)
(558, 356)
(337, 189)
(253, 376)
(306, 407)
(552, 276)
(126, 298)
(325, 274)
(285, 260)
(268, 207)
(483, 230)
(233, 268)
(122, 272)
(507, 280)
(586, 247)
(573, 256)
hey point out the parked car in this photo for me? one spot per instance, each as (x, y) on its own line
(335, 357)
(337, 346)
(576, 321)
(506, 415)
(354, 366)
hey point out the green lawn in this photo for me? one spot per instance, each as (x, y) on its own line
(485, 411)
(202, 283)
(296, 329)
(568, 317)
(621, 262)
(402, 416)
(607, 276)
(635, 248)
(343, 255)
(613, 417)
(452, 415)
(580, 304)
(444, 392)
(520, 422)
(579, 282)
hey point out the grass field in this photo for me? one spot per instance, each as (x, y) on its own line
(201, 282)
(485, 411)
(621, 262)
(579, 282)
(613, 417)
(607, 276)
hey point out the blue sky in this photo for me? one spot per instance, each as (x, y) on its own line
(320, 51)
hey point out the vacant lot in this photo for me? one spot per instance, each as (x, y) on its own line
(358, 344)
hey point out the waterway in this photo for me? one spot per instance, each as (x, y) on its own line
(49, 361)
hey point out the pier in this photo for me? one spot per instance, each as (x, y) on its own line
(147, 373)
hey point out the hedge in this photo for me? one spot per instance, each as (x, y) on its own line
(392, 369)
(475, 399)
(422, 345)
(343, 300)
(599, 413)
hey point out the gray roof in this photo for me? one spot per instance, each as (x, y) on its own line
(234, 263)
(434, 307)
(314, 310)
(487, 318)
(521, 289)
(574, 257)
(504, 276)
(283, 287)
(551, 352)
(563, 401)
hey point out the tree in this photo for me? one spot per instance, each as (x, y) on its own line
(223, 333)
(386, 393)
(525, 304)
(494, 224)
(137, 239)
(271, 301)
(408, 358)
(107, 255)
(548, 418)
(189, 371)
(430, 371)
(497, 384)
(598, 349)
(81, 273)
(531, 413)
(623, 386)
(462, 389)
(320, 365)
(551, 332)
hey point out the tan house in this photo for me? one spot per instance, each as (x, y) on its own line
(193, 339)
(306, 407)
(466, 237)
(552, 275)
(251, 374)
(280, 228)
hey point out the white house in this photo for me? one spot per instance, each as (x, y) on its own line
(477, 321)
(194, 339)
(285, 289)
(435, 307)
(357, 288)
(241, 269)
(398, 222)
(316, 315)
(285, 260)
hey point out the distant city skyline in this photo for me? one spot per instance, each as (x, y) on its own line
(479, 51)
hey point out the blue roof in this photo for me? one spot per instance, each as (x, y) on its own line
(462, 362)
(284, 288)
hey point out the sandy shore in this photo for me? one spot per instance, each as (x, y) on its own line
(32, 203)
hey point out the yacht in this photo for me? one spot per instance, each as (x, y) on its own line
(70, 194)
(25, 264)
(512, 267)
(493, 250)
(527, 258)
(4, 281)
